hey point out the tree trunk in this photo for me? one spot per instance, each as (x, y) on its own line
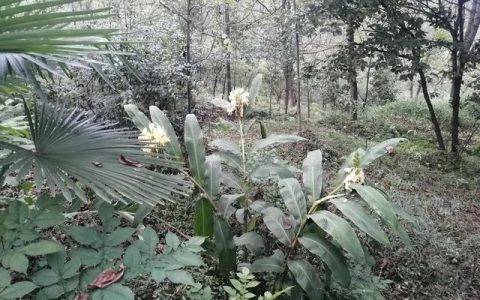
(189, 56)
(228, 65)
(433, 117)
(352, 73)
(297, 44)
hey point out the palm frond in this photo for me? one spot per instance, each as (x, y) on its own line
(39, 37)
(72, 151)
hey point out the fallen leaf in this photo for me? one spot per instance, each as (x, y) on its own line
(107, 277)
(159, 248)
(391, 150)
(129, 162)
(97, 164)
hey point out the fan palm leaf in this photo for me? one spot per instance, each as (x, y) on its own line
(73, 151)
(38, 37)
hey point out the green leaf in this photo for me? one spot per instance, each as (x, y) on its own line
(377, 201)
(212, 176)
(272, 263)
(45, 277)
(270, 170)
(378, 151)
(275, 220)
(138, 118)
(172, 240)
(41, 248)
(48, 219)
(113, 292)
(173, 147)
(15, 261)
(53, 291)
(275, 139)
(313, 175)
(195, 148)
(329, 254)
(357, 214)
(71, 268)
(119, 236)
(18, 290)
(252, 240)
(225, 246)
(203, 219)
(226, 145)
(83, 235)
(5, 278)
(307, 278)
(341, 232)
(88, 257)
(292, 195)
(180, 277)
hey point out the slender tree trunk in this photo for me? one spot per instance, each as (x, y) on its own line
(433, 117)
(297, 44)
(228, 74)
(189, 56)
(458, 64)
(352, 73)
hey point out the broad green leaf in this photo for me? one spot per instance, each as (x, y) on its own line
(45, 277)
(119, 236)
(341, 232)
(226, 145)
(357, 214)
(252, 240)
(203, 219)
(275, 220)
(377, 201)
(212, 176)
(113, 292)
(172, 240)
(144, 209)
(53, 291)
(150, 239)
(378, 151)
(88, 257)
(18, 290)
(195, 148)
(41, 248)
(270, 170)
(180, 277)
(173, 147)
(71, 268)
(138, 118)
(231, 180)
(292, 195)
(307, 278)
(329, 254)
(5, 278)
(48, 219)
(15, 261)
(83, 235)
(275, 139)
(225, 246)
(229, 159)
(313, 175)
(274, 263)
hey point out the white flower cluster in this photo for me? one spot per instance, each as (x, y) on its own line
(155, 135)
(238, 98)
(354, 175)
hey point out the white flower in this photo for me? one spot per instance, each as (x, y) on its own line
(354, 175)
(238, 98)
(155, 135)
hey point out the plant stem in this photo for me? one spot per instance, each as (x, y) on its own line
(242, 146)
(317, 203)
(200, 187)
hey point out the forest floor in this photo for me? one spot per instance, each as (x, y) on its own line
(440, 192)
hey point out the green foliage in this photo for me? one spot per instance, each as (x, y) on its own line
(240, 287)
(318, 227)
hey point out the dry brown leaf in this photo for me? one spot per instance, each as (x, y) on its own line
(107, 277)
